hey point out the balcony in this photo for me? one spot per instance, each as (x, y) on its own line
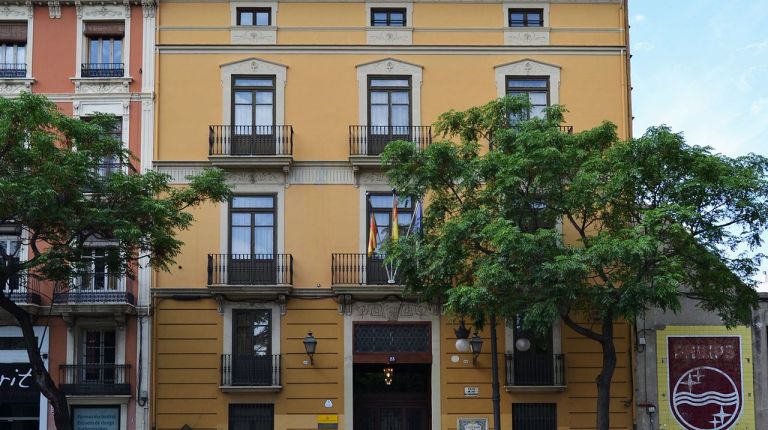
(249, 275)
(363, 276)
(102, 70)
(566, 129)
(249, 373)
(13, 70)
(95, 288)
(95, 379)
(366, 143)
(535, 372)
(23, 289)
(250, 146)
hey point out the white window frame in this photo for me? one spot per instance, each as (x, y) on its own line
(20, 13)
(526, 35)
(389, 35)
(227, 308)
(253, 34)
(389, 67)
(121, 109)
(528, 67)
(102, 13)
(252, 66)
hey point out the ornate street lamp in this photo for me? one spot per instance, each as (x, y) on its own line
(477, 346)
(310, 344)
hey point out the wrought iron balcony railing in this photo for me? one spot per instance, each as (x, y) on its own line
(23, 288)
(360, 269)
(371, 140)
(530, 369)
(250, 269)
(13, 70)
(250, 370)
(102, 70)
(95, 379)
(95, 287)
(250, 140)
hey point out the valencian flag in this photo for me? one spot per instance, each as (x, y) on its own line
(395, 226)
(373, 236)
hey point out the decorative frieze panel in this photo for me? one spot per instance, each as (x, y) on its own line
(101, 86)
(390, 36)
(14, 87)
(526, 37)
(10, 12)
(391, 311)
(253, 36)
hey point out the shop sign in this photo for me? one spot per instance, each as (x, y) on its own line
(472, 424)
(327, 422)
(96, 417)
(705, 381)
(16, 384)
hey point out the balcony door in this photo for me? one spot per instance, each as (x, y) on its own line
(533, 357)
(380, 207)
(10, 247)
(253, 115)
(252, 241)
(252, 347)
(97, 362)
(389, 112)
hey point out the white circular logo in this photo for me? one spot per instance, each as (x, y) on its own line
(706, 398)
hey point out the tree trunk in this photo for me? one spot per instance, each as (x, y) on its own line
(495, 397)
(40, 374)
(606, 375)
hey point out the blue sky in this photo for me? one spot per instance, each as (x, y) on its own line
(701, 67)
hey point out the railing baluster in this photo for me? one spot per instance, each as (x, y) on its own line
(252, 140)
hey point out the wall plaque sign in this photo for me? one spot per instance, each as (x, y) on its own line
(703, 382)
(472, 424)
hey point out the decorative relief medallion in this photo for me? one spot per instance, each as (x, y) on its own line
(54, 9)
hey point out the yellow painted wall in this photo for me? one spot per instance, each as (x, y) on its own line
(321, 101)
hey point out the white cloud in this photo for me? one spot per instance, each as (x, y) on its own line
(639, 18)
(643, 47)
(756, 48)
(759, 107)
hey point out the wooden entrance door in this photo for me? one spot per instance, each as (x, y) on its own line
(401, 404)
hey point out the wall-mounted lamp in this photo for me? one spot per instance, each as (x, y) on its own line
(476, 343)
(310, 344)
(462, 338)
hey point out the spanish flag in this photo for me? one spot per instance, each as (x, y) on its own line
(373, 236)
(395, 226)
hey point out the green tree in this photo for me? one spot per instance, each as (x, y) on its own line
(53, 187)
(655, 219)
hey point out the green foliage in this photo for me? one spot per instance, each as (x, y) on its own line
(53, 185)
(653, 219)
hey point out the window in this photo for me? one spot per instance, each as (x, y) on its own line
(253, 115)
(388, 17)
(526, 17)
(251, 417)
(534, 416)
(533, 358)
(104, 52)
(13, 49)
(110, 165)
(537, 90)
(389, 111)
(254, 16)
(380, 208)
(95, 274)
(252, 347)
(9, 254)
(97, 356)
(252, 240)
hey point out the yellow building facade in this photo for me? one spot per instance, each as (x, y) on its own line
(295, 100)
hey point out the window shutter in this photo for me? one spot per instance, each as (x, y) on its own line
(13, 32)
(104, 29)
